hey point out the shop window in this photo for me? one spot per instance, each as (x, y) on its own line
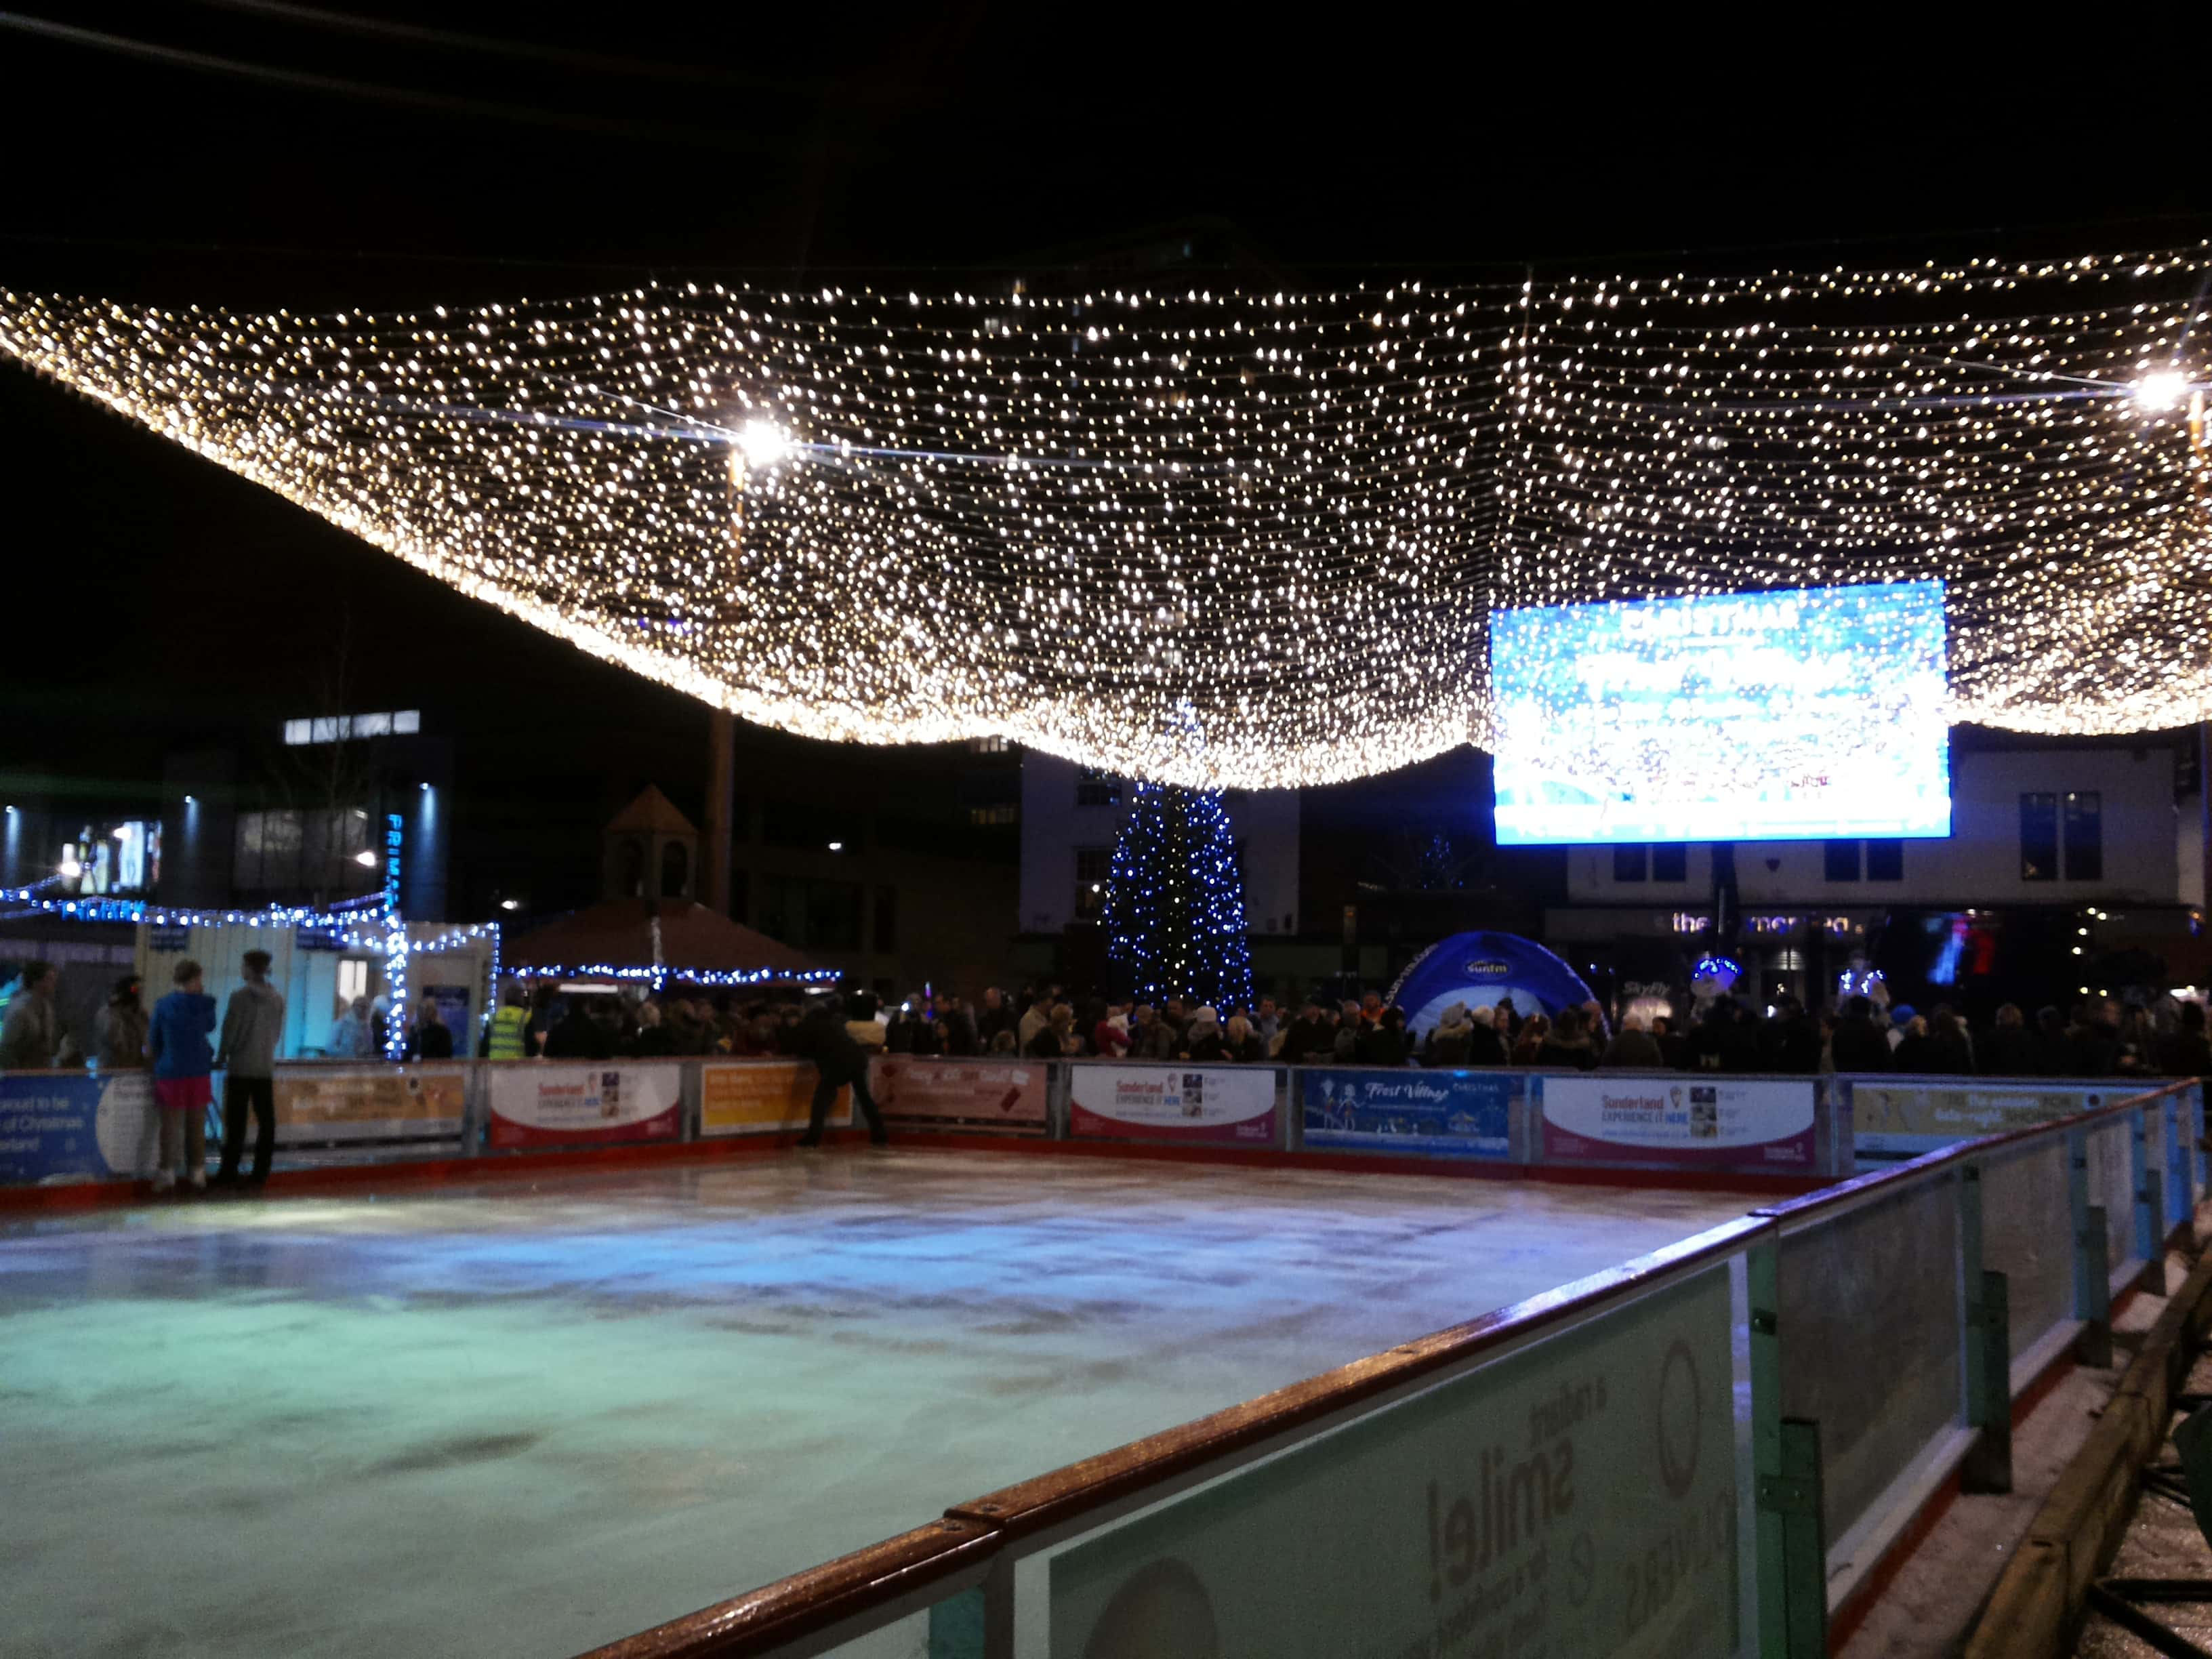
(2039, 836)
(2085, 835)
(1094, 867)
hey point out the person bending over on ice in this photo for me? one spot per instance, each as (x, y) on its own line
(821, 1036)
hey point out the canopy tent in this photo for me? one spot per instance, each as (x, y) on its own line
(1484, 969)
(659, 940)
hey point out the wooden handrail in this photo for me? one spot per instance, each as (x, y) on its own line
(762, 1621)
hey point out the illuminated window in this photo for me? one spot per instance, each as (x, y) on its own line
(353, 980)
(341, 728)
(987, 745)
(986, 815)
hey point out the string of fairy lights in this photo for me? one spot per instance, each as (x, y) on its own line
(1094, 523)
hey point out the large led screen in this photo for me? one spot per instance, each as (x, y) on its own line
(1809, 713)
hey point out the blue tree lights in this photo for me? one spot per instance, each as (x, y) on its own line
(1175, 900)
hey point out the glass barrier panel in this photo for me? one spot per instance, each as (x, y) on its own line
(2024, 1204)
(2173, 1144)
(953, 1629)
(2112, 1184)
(1870, 1320)
(1589, 1494)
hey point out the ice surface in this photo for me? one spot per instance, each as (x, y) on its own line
(524, 1418)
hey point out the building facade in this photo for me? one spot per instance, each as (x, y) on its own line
(2061, 860)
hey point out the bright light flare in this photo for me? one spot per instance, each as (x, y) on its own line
(764, 443)
(2160, 391)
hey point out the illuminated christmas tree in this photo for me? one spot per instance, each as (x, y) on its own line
(1175, 901)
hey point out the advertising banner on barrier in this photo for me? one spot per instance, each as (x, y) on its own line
(586, 1102)
(1462, 1114)
(1689, 1118)
(77, 1126)
(1912, 1115)
(960, 1094)
(382, 1103)
(763, 1096)
(1232, 1105)
(1581, 1496)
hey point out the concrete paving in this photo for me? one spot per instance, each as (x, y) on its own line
(524, 1418)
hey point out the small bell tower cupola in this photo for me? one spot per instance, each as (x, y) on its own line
(649, 851)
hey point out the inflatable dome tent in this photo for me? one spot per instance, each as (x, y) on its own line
(1485, 969)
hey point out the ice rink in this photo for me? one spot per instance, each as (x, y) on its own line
(526, 1417)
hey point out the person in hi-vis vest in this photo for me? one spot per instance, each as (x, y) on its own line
(508, 1036)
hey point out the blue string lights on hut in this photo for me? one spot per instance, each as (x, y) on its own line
(1061, 520)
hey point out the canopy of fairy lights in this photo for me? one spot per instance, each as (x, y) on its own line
(1212, 536)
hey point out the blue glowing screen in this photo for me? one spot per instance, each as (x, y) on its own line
(1796, 715)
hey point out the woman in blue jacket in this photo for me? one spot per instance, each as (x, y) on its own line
(177, 1042)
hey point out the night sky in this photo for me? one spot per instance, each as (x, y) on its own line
(150, 597)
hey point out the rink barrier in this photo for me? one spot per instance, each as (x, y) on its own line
(1739, 1480)
(1889, 1117)
(1692, 1127)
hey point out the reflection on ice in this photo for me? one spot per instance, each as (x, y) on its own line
(524, 1418)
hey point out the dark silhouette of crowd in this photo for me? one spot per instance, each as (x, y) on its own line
(2096, 1038)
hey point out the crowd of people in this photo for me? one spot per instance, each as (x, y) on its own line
(180, 1042)
(2096, 1037)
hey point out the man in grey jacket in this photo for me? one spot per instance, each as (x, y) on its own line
(252, 1024)
(32, 1037)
